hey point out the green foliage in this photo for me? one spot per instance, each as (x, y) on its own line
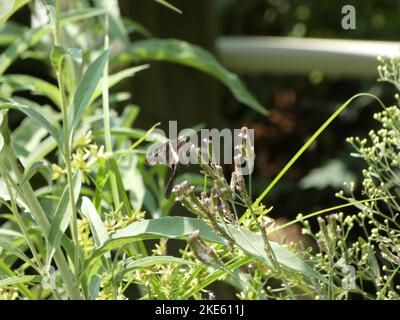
(75, 192)
(8, 7)
(181, 52)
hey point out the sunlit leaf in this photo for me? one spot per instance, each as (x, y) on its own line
(181, 52)
(62, 217)
(86, 87)
(97, 227)
(8, 7)
(181, 227)
(168, 5)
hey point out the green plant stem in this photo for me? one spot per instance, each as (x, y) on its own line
(387, 284)
(67, 160)
(305, 147)
(106, 119)
(19, 219)
(29, 198)
(67, 146)
(268, 250)
(21, 224)
(320, 212)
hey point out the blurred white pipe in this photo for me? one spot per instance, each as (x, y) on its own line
(285, 55)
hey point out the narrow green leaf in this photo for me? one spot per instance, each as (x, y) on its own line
(388, 283)
(8, 7)
(62, 217)
(117, 29)
(33, 36)
(306, 145)
(133, 26)
(4, 195)
(320, 212)
(8, 233)
(181, 227)
(39, 166)
(168, 5)
(18, 280)
(97, 227)
(131, 264)
(121, 188)
(193, 56)
(33, 114)
(129, 115)
(10, 32)
(22, 82)
(86, 88)
(116, 78)
(8, 246)
(1, 134)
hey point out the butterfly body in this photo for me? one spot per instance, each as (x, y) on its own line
(167, 154)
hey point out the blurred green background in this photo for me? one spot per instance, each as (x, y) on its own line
(299, 104)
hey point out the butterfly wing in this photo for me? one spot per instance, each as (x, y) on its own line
(167, 154)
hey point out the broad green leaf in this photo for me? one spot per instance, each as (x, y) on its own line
(94, 287)
(181, 227)
(86, 87)
(18, 280)
(168, 5)
(33, 36)
(97, 227)
(62, 217)
(33, 114)
(253, 244)
(22, 82)
(193, 56)
(8, 7)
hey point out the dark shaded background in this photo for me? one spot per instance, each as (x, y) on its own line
(298, 104)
